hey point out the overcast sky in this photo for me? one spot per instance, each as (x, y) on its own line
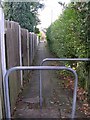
(51, 12)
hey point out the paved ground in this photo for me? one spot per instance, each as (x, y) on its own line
(57, 100)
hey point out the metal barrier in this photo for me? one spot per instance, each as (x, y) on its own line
(76, 79)
(6, 87)
(64, 59)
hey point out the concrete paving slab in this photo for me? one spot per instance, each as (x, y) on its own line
(33, 113)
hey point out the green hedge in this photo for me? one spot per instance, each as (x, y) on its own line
(67, 38)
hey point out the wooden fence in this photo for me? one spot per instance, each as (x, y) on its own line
(20, 48)
(12, 57)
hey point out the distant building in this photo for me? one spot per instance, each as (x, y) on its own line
(43, 36)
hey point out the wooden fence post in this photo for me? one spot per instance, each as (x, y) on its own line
(28, 47)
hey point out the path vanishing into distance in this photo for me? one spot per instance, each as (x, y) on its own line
(57, 100)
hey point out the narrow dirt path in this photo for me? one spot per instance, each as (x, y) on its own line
(57, 101)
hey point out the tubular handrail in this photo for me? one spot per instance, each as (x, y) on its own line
(73, 71)
(64, 59)
(6, 80)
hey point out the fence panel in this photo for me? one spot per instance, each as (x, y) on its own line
(20, 48)
(13, 59)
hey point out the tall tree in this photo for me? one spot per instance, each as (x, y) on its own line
(26, 13)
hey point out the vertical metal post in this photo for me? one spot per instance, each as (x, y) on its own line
(40, 90)
(0, 73)
(7, 99)
(31, 47)
(74, 95)
(2, 42)
(2, 47)
(20, 55)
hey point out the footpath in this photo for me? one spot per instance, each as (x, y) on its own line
(57, 100)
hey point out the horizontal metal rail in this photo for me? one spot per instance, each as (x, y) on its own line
(6, 80)
(76, 79)
(65, 59)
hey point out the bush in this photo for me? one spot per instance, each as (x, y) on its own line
(67, 37)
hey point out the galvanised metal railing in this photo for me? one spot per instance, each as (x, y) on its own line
(6, 80)
(76, 79)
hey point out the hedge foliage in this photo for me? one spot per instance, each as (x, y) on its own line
(68, 37)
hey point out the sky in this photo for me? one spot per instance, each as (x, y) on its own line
(50, 13)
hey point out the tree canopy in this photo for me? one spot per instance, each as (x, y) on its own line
(26, 13)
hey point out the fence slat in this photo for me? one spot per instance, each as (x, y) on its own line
(13, 59)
